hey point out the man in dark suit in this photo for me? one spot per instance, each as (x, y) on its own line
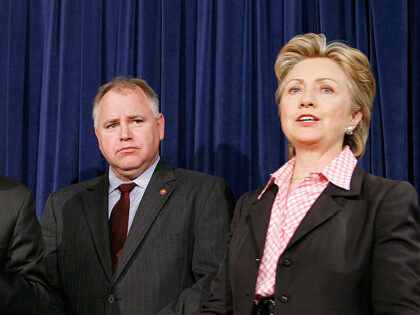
(174, 222)
(23, 288)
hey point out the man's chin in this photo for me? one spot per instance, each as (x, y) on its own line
(128, 173)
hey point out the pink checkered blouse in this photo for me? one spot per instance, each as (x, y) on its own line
(287, 213)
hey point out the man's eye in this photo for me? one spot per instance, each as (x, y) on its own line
(137, 121)
(111, 126)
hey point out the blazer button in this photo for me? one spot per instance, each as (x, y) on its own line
(111, 299)
(284, 299)
(287, 262)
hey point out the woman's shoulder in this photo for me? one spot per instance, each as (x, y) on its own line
(377, 186)
(384, 183)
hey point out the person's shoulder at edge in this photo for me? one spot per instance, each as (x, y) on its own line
(9, 183)
(19, 191)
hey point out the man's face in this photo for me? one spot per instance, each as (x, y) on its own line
(128, 133)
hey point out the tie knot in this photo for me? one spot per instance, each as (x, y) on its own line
(126, 188)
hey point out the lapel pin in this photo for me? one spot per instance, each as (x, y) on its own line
(163, 191)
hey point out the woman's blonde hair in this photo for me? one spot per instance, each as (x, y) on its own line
(354, 64)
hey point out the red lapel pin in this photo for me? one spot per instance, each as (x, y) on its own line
(163, 191)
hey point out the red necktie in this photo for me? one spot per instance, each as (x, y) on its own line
(118, 223)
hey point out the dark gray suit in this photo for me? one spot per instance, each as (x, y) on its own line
(172, 251)
(23, 288)
(355, 252)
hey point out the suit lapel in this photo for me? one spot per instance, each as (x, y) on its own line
(160, 188)
(260, 217)
(95, 208)
(326, 206)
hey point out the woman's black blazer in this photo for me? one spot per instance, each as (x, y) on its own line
(355, 252)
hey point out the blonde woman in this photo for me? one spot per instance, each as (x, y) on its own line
(323, 236)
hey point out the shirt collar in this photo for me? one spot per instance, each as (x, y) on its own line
(283, 174)
(142, 180)
(338, 171)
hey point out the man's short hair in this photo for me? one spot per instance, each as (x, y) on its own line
(119, 84)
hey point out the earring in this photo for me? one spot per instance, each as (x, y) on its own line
(349, 130)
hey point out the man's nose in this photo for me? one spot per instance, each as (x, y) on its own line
(125, 131)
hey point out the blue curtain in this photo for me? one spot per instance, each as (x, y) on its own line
(211, 62)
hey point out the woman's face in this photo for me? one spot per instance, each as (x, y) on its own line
(315, 106)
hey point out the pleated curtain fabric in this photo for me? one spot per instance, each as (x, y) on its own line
(211, 63)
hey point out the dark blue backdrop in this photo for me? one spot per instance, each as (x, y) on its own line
(211, 62)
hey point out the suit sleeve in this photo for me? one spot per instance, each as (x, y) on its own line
(49, 229)
(396, 253)
(210, 231)
(23, 285)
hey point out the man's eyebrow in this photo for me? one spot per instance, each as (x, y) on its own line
(111, 120)
(135, 116)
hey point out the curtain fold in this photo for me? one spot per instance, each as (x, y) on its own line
(413, 100)
(211, 63)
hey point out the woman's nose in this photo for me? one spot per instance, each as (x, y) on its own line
(307, 99)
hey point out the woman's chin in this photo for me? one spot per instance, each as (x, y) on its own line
(308, 142)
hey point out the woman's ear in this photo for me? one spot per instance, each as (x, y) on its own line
(356, 118)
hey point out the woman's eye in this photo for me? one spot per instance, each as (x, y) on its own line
(327, 90)
(294, 90)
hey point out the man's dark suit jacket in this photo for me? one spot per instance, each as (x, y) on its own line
(355, 252)
(23, 285)
(173, 249)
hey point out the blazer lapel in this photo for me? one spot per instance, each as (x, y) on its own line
(326, 206)
(260, 217)
(160, 188)
(95, 208)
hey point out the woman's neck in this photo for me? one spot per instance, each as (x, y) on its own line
(313, 161)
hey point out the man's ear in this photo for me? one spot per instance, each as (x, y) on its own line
(98, 137)
(161, 125)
